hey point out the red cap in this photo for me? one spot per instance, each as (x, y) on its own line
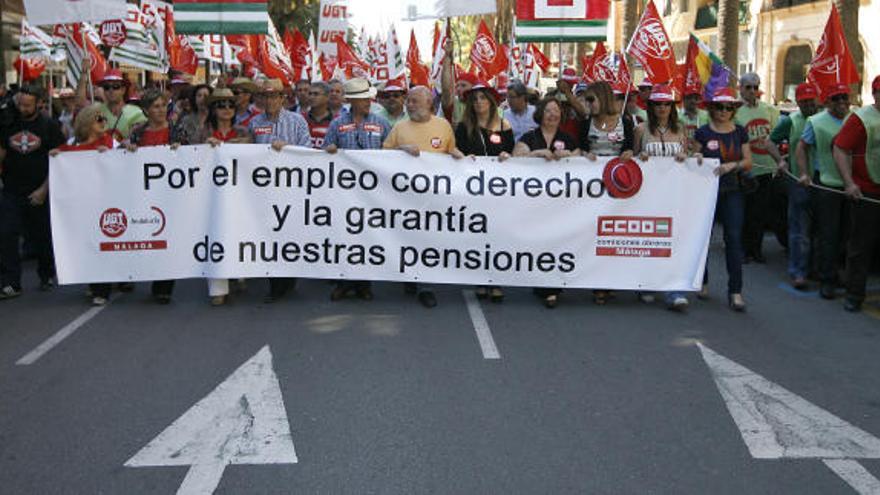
(875, 86)
(113, 75)
(397, 84)
(834, 90)
(622, 179)
(569, 75)
(661, 93)
(805, 91)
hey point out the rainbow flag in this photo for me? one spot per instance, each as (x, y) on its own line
(705, 66)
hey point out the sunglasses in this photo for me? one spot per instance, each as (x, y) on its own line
(100, 119)
(725, 108)
(839, 98)
(662, 103)
(224, 104)
(113, 87)
(590, 98)
(750, 86)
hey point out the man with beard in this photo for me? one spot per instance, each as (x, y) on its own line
(24, 151)
(422, 132)
(800, 214)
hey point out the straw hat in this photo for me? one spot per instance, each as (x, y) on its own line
(221, 94)
(244, 83)
(272, 86)
(358, 88)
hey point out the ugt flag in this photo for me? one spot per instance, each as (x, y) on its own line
(42, 12)
(650, 45)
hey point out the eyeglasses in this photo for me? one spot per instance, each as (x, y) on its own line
(100, 119)
(725, 108)
(839, 98)
(224, 104)
(751, 87)
(113, 87)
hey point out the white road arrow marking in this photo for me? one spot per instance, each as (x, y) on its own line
(776, 423)
(242, 421)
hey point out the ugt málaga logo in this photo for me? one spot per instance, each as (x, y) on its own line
(113, 222)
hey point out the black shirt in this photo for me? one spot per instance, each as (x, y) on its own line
(534, 139)
(27, 145)
(486, 143)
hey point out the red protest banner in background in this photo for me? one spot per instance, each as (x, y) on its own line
(418, 73)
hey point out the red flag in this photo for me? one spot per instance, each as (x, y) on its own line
(598, 54)
(349, 62)
(247, 51)
(650, 45)
(29, 69)
(833, 62)
(418, 73)
(540, 59)
(327, 66)
(181, 55)
(692, 82)
(300, 53)
(99, 63)
(272, 64)
(486, 54)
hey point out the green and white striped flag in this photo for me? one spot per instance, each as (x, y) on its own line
(35, 43)
(221, 16)
(142, 48)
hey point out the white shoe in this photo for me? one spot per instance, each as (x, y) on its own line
(646, 297)
(679, 304)
(99, 301)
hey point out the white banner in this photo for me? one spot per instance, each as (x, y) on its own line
(42, 12)
(247, 211)
(332, 22)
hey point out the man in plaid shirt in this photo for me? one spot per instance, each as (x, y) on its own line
(356, 129)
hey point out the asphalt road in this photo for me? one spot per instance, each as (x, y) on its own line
(389, 397)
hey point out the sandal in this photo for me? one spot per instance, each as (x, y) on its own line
(496, 295)
(550, 301)
(482, 292)
(600, 297)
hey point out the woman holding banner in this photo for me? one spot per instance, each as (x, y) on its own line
(607, 132)
(549, 142)
(221, 128)
(157, 131)
(483, 132)
(662, 135)
(723, 139)
(90, 133)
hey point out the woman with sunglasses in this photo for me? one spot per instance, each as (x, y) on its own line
(662, 135)
(193, 124)
(608, 133)
(220, 129)
(483, 132)
(727, 141)
(157, 131)
(90, 133)
(547, 141)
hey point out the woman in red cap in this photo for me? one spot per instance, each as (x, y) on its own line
(662, 135)
(727, 141)
(483, 132)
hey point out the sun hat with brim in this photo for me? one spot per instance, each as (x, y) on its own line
(221, 94)
(245, 84)
(662, 93)
(358, 88)
(725, 95)
(484, 86)
(806, 91)
(835, 90)
(646, 83)
(272, 86)
(622, 179)
(113, 76)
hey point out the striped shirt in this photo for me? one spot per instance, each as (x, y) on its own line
(289, 127)
(346, 134)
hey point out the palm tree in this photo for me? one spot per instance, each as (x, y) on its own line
(630, 21)
(728, 32)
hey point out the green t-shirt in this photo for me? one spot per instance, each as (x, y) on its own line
(691, 124)
(121, 126)
(382, 112)
(758, 122)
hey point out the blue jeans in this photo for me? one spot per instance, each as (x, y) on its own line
(730, 210)
(800, 214)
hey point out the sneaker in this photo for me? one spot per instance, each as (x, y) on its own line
(826, 291)
(704, 293)
(218, 300)
(852, 305)
(47, 285)
(679, 304)
(799, 283)
(99, 301)
(646, 297)
(8, 292)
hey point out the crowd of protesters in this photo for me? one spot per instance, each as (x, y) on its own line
(824, 156)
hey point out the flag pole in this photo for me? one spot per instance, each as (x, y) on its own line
(51, 88)
(85, 50)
